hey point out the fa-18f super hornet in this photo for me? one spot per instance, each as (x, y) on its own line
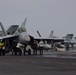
(15, 34)
(19, 34)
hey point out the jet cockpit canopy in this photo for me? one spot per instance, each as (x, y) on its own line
(21, 29)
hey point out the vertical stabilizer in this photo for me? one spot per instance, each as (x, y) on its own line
(69, 37)
(12, 29)
(3, 30)
(24, 23)
(21, 28)
(51, 34)
(38, 33)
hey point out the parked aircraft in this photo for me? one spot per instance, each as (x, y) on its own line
(51, 45)
(15, 34)
(60, 46)
(24, 37)
(19, 34)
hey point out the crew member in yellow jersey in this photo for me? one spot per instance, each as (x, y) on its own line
(1, 46)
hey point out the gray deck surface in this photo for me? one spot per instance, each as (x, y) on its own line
(39, 65)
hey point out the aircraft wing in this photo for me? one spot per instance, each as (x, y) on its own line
(10, 37)
(49, 39)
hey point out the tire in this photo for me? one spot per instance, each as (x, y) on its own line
(0, 53)
(3, 52)
(29, 51)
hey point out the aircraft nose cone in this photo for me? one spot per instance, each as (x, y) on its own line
(24, 38)
(27, 38)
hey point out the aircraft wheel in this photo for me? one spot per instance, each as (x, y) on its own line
(15, 53)
(3, 52)
(29, 51)
(20, 52)
(0, 52)
(24, 52)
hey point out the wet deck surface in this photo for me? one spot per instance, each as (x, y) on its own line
(51, 63)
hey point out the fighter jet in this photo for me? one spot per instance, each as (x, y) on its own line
(19, 34)
(16, 34)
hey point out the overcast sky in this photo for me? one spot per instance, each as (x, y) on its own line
(42, 15)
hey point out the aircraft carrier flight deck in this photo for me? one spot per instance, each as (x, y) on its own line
(50, 63)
